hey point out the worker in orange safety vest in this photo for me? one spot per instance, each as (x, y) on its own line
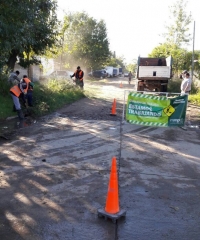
(15, 93)
(28, 90)
(78, 74)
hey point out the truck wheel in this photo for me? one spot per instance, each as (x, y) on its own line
(140, 88)
(164, 88)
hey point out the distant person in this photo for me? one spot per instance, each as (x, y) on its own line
(13, 78)
(186, 84)
(129, 77)
(78, 74)
(15, 93)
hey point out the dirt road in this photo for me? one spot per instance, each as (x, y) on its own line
(54, 174)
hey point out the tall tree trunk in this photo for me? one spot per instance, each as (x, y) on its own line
(12, 59)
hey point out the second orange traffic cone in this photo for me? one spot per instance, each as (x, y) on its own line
(121, 85)
(113, 110)
(112, 201)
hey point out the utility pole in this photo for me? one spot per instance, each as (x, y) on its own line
(192, 73)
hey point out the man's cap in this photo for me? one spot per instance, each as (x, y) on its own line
(185, 71)
(78, 67)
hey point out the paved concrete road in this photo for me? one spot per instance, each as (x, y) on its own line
(54, 177)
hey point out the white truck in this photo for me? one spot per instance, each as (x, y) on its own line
(120, 71)
(109, 70)
(115, 72)
(153, 74)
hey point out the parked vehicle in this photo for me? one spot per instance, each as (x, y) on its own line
(126, 74)
(120, 72)
(115, 72)
(99, 74)
(154, 73)
(109, 70)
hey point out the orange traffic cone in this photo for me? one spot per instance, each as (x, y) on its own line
(112, 201)
(113, 110)
(121, 85)
(112, 209)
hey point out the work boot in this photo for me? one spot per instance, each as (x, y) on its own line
(20, 114)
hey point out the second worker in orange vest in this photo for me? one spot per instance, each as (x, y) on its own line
(78, 74)
(15, 93)
(28, 90)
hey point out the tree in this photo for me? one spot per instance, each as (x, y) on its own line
(85, 41)
(177, 32)
(188, 62)
(132, 66)
(165, 50)
(28, 27)
(115, 61)
(182, 59)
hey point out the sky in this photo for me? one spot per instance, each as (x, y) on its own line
(134, 27)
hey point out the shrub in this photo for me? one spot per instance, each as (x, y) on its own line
(5, 86)
(53, 94)
(195, 99)
(175, 84)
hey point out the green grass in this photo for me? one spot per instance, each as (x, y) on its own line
(47, 97)
(195, 99)
(53, 95)
(6, 107)
(175, 84)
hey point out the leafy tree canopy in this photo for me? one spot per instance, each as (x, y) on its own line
(26, 26)
(179, 21)
(132, 67)
(167, 49)
(182, 58)
(115, 61)
(85, 41)
(177, 37)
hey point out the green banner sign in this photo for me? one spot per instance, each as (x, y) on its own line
(150, 110)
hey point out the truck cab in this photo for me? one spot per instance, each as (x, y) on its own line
(153, 74)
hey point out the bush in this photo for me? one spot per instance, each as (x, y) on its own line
(47, 97)
(175, 84)
(195, 99)
(53, 94)
(5, 86)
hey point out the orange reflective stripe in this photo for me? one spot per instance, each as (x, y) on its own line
(80, 74)
(27, 80)
(27, 83)
(15, 90)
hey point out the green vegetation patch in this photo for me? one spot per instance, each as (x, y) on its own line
(47, 97)
(175, 85)
(53, 95)
(195, 99)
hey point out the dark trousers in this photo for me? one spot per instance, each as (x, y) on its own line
(79, 83)
(29, 97)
